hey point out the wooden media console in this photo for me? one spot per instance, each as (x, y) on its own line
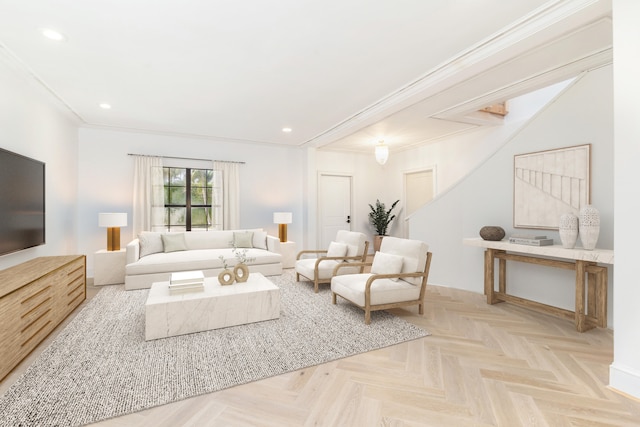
(35, 297)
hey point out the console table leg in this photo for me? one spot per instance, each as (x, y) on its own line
(488, 275)
(581, 324)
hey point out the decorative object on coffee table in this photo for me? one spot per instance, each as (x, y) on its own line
(589, 227)
(226, 277)
(492, 232)
(241, 272)
(568, 228)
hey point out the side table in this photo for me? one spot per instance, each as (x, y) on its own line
(108, 267)
(289, 253)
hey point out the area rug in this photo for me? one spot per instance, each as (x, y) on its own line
(100, 365)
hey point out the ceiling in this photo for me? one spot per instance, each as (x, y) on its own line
(340, 73)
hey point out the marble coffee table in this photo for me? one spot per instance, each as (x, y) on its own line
(217, 306)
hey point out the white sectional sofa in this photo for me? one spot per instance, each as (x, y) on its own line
(153, 256)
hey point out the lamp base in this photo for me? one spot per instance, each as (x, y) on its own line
(282, 232)
(113, 238)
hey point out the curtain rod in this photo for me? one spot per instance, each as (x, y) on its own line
(185, 158)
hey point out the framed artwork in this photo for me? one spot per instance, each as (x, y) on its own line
(547, 184)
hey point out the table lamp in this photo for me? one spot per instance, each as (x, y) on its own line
(113, 222)
(282, 219)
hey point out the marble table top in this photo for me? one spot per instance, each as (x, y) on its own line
(604, 256)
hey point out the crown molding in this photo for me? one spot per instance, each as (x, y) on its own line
(539, 27)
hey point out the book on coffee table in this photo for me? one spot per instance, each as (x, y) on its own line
(189, 277)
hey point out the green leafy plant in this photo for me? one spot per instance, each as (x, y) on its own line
(380, 217)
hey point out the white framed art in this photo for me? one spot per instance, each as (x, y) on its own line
(547, 184)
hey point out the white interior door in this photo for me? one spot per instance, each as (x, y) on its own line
(334, 206)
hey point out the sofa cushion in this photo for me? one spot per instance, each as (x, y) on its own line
(383, 291)
(150, 243)
(213, 239)
(243, 239)
(260, 239)
(197, 259)
(384, 263)
(173, 242)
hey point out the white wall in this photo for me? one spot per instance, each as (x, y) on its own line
(33, 124)
(579, 115)
(625, 370)
(269, 180)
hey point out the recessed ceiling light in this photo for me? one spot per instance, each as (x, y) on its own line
(287, 130)
(53, 34)
(105, 106)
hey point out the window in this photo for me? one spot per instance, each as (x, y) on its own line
(192, 199)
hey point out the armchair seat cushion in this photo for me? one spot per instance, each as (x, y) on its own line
(383, 291)
(305, 267)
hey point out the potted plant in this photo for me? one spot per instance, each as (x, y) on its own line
(380, 218)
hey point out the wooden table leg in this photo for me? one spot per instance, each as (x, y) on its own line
(502, 276)
(599, 276)
(581, 324)
(489, 275)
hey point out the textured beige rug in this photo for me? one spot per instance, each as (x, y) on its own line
(101, 367)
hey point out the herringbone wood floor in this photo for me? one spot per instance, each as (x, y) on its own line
(482, 366)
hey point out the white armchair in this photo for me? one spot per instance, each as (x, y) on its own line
(398, 278)
(349, 249)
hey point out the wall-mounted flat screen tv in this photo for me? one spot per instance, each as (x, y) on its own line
(22, 202)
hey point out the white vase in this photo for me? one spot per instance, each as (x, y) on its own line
(589, 227)
(568, 228)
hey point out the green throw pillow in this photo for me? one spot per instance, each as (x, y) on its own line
(243, 239)
(174, 242)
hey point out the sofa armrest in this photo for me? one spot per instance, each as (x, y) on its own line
(273, 244)
(133, 251)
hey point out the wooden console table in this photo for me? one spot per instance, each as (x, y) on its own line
(585, 263)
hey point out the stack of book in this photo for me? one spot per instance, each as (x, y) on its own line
(530, 239)
(186, 281)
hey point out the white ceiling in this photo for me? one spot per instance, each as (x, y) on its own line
(341, 73)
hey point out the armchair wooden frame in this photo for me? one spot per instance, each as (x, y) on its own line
(316, 281)
(368, 307)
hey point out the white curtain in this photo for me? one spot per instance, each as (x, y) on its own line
(230, 194)
(148, 195)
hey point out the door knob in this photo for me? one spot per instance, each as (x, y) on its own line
(348, 219)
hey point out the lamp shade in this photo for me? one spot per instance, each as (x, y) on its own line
(112, 220)
(282, 217)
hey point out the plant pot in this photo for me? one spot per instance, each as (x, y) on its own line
(377, 241)
(241, 271)
(226, 277)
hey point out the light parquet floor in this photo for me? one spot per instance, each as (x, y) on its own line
(483, 365)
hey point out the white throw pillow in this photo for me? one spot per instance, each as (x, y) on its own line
(174, 242)
(352, 250)
(337, 249)
(243, 239)
(384, 263)
(150, 243)
(260, 239)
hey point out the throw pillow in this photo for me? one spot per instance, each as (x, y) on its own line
(260, 239)
(352, 250)
(337, 249)
(243, 239)
(150, 243)
(174, 242)
(384, 263)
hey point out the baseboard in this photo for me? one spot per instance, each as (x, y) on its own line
(625, 379)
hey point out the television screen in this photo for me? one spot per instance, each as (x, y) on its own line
(22, 205)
